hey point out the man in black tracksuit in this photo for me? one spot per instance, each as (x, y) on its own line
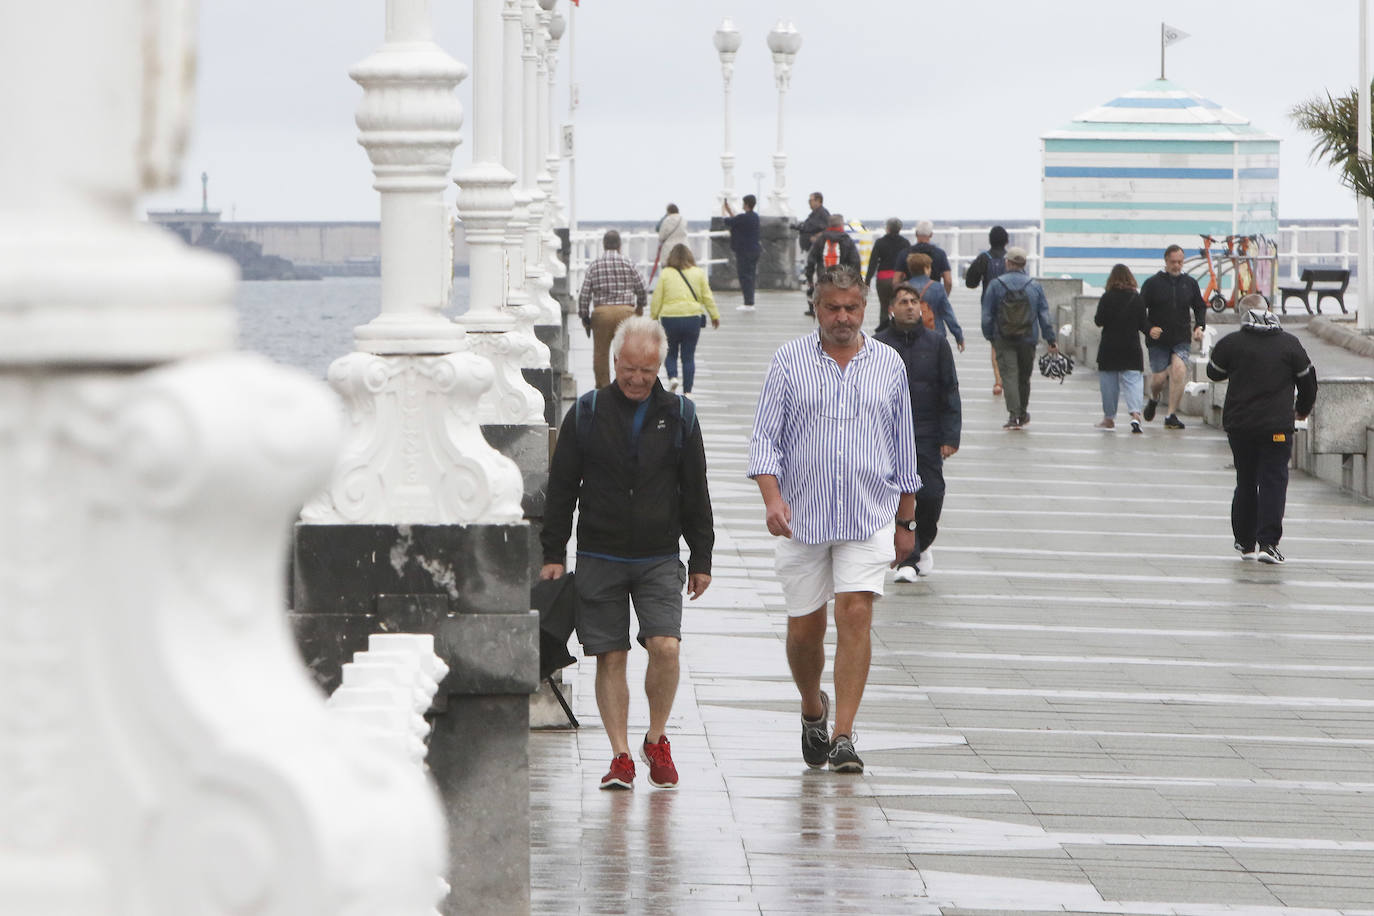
(882, 261)
(936, 416)
(1176, 316)
(1263, 364)
(630, 457)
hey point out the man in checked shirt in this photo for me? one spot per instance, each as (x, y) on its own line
(834, 459)
(611, 285)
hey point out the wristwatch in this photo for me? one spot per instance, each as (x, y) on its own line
(908, 523)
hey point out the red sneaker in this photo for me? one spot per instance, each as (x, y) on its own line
(662, 773)
(621, 774)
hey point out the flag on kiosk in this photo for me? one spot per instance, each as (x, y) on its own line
(1170, 34)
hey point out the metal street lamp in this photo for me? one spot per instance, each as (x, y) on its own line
(784, 41)
(727, 41)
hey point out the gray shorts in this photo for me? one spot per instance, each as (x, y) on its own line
(605, 589)
(1160, 357)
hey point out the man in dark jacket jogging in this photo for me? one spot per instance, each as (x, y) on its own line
(936, 417)
(632, 461)
(1263, 364)
(1169, 297)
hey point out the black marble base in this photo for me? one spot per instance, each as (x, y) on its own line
(470, 587)
(542, 380)
(777, 262)
(479, 755)
(528, 447)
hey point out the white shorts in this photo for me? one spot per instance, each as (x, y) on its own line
(811, 574)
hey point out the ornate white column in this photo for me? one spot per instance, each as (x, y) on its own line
(784, 41)
(727, 42)
(165, 751)
(485, 203)
(550, 30)
(415, 451)
(518, 298)
(538, 281)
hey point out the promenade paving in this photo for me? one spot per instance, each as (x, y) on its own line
(1092, 706)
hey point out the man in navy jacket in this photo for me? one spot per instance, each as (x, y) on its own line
(744, 242)
(936, 416)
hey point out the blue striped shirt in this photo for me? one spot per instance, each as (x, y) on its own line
(838, 440)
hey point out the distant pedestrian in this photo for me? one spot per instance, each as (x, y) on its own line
(681, 302)
(1015, 314)
(988, 266)
(672, 230)
(1169, 296)
(936, 413)
(1263, 366)
(829, 248)
(612, 291)
(745, 243)
(940, 269)
(630, 459)
(816, 221)
(834, 459)
(933, 300)
(882, 262)
(1121, 316)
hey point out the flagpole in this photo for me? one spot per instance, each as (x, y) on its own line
(1161, 50)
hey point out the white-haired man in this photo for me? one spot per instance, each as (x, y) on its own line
(630, 458)
(939, 261)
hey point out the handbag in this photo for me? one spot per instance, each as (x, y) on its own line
(692, 291)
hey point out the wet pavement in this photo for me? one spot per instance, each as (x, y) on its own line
(1092, 706)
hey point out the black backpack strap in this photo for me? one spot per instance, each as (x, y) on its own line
(687, 418)
(688, 282)
(586, 416)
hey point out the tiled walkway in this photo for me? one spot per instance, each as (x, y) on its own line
(1092, 706)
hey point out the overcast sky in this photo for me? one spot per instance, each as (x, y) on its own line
(920, 109)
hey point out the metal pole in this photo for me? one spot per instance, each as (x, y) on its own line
(1161, 50)
(1365, 319)
(572, 109)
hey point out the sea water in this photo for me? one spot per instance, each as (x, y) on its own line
(310, 324)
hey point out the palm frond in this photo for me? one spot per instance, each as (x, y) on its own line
(1334, 126)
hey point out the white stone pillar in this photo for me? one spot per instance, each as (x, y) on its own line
(550, 29)
(784, 41)
(415, 453)
(538, 280)
(165, 751)
(727, 42)
(518, 299)
(485, 203)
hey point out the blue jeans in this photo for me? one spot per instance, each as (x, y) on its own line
(748, 266)
(1113, 384)
(683, 334)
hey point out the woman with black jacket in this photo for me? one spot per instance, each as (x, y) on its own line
(1121, 316)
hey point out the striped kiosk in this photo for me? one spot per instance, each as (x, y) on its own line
(1157, 166)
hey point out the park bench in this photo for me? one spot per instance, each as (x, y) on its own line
(1311, 275)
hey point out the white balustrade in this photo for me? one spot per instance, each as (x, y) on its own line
(165, 751)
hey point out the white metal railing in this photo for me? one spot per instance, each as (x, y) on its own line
(640, 247)
(1299, 246)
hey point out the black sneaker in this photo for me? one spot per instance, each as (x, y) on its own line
(1173, 422)
(1013, 422)
(1150, 407)
(1246, 553)
(842, 756)
(1025, 419)
(1135, 426)
(1268, 553)
(816, 736)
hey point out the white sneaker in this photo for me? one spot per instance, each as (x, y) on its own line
(925, 563)
(673, 383)
(744, 308)
(905, 574)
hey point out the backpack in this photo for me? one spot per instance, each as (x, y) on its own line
(586, 417)
(996, 267)
(831, 256)
(1015, 315)
(927, 313)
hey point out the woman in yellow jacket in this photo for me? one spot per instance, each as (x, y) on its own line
(682, 300)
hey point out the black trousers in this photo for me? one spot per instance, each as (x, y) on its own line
(1261, 485)
(748, 268)
(930, 500)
